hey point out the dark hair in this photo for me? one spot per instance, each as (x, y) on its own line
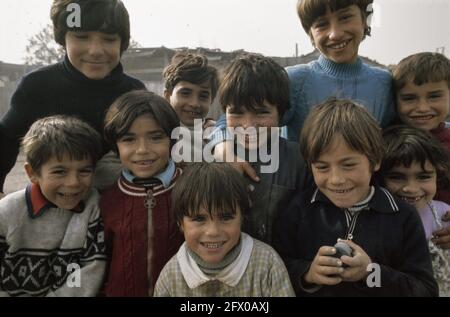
(422, 68)
(215, 187)
(344, 117)
(406, 145)
(106, 16)
(58, 136)
(309, 10)
(192, 68)
(252, 78)
(132, 105)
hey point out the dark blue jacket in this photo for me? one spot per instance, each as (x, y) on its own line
(390, 232)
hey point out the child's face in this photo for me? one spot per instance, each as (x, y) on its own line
(425, 106)
(338, 34)
(212, 239)
(413, 184)
(342, 174)
(95, 54)
(64, 183)
(266, 117)
(145, 149)
(190, 101)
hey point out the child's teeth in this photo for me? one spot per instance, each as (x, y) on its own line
(212, 245)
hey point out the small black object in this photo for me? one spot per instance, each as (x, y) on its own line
(342, 248)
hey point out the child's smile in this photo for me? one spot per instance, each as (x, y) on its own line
(413, 184)
(145, 149)
(342, 174)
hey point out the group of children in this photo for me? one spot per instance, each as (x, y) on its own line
(167, 229)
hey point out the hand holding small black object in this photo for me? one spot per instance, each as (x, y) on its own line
(342, 248)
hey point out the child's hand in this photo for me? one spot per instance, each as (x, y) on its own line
(325, 269)
(357, 264)
(220, 154)
(442, 238)
(446, 217)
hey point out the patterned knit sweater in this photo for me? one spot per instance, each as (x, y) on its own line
(39, 252)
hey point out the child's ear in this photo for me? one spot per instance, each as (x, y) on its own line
(167, 95)
(376, 168)
(32, 175)
(180, 225)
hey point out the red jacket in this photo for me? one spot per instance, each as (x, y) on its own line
(125, 217)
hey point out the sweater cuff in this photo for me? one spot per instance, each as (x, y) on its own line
(219, 135)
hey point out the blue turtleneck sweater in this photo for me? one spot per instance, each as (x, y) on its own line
(313, 83)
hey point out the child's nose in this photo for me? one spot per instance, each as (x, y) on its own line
(95, 47)
(142, 146)
(212, 229)
(335, 31)
(194, 101)
(336, 177)
(423, 105)
(410, 187)
(73, 180)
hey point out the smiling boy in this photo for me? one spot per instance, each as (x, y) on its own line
(54, 223)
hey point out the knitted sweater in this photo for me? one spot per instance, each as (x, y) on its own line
(38, 251)
(258, 271)
(58, 89)
(313, 83)
(141, 236)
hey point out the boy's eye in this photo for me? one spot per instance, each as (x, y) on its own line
(349, 165)
(320, 24)
(424, 177)
(226, 217)
(198, 218)
(435, 96)
(59, 172)
(110, 38)
(185, 92)
(320, 167)
(204, 96)
(407, 97)
(346, 17)
(157, 137)
(263, 111)
(126, 139)
(86, 171)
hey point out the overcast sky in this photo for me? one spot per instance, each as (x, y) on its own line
(271, 27)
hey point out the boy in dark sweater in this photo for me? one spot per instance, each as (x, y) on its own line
(84, 84)
(343, 146)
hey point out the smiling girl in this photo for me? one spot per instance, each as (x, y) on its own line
(414, 164)
(141, 234)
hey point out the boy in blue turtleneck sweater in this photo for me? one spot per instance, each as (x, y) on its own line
(336, 29)
(84, 84)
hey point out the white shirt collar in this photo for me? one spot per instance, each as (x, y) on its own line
(231, 275)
